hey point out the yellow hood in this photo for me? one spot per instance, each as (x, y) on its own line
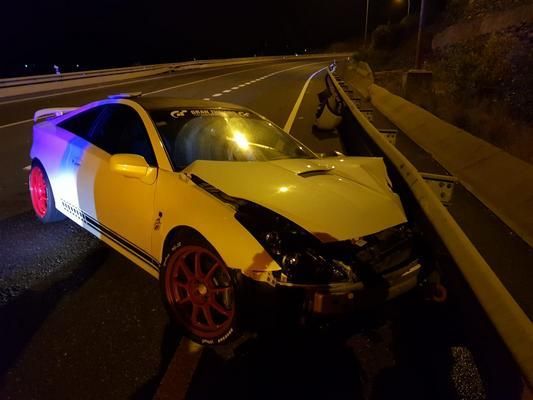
(333, 198)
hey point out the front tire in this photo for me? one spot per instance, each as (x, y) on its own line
(199, 292)
(42, 198)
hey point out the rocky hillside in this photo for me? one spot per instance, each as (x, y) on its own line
(481, 54)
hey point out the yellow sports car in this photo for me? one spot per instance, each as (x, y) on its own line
(222, 205)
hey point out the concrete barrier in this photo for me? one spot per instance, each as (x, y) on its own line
(43, 83)
(77, 82)
(507, 317)
(360, 77)
(502, 182)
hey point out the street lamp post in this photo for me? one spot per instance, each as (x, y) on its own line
(366, 20)
(418, 61)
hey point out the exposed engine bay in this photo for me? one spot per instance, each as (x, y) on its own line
(304, 259)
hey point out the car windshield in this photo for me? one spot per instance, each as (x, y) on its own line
(223, 135)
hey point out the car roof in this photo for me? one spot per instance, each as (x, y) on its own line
(164, 103)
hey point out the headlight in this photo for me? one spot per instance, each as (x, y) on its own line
(292, 247)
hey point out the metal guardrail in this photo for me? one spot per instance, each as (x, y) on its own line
(508, 318)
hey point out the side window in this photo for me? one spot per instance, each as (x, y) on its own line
(81, 123)
(119, 129)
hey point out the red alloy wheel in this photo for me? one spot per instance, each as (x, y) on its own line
(199, 289)
(38, 190)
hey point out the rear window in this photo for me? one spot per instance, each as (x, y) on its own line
(81, 124)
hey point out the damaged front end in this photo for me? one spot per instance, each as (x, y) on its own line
(330, 276)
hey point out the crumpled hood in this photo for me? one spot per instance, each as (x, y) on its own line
(333, 198)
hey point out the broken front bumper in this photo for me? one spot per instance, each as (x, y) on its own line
(339, 298)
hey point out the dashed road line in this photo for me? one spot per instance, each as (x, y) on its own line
(125, 82)
(201, 80)
(260, 79)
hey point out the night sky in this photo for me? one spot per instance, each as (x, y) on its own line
(104, 33)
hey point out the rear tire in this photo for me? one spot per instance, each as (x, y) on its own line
(41, 194)
(200, 291)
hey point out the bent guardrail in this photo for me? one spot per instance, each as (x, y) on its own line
(507, 317)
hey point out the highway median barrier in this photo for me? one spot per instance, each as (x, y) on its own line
(360, 76)
(20, 86)
(500, 181)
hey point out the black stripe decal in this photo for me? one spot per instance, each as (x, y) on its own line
(124, 243)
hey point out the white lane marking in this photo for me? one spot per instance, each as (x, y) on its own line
(26, 168)
(199, 81)
(127, 82)
(16, 123)
(226, 91)
(242, 85)
(206, 98)
(292, 116)
(234, 88)
(161, 90)
(180, 371)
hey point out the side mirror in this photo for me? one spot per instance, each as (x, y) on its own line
(133, 166)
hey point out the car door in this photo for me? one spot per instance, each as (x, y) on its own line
(119, 207)
(73, 132)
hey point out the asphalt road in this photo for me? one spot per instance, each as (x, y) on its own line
(78, 321)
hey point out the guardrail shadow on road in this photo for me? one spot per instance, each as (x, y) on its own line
(406, 349)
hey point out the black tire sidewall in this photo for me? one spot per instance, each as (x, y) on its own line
(233, 332)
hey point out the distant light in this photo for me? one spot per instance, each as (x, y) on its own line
(283, 189)
(25, 65)
(77, 65)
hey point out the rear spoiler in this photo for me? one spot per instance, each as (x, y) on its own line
(51, 112)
